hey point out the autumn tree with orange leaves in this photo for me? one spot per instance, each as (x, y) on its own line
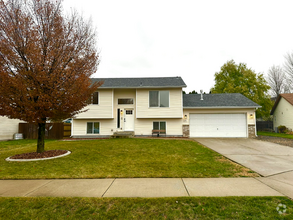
(46, 59)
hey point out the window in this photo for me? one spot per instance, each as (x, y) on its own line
(93, 128)
(159, 98)
(125, 101)
(94, 98)
(159, 125)
(129, 112)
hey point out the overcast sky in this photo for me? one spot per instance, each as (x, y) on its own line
(191, 39)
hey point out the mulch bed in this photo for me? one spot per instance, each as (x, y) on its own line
(277, 140)
(35, 155)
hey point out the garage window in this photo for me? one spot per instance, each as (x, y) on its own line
(93, 128)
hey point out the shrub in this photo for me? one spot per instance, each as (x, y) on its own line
(282, 129)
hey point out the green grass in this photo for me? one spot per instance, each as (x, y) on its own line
(273, 134)
(109, 158)
(142, 208)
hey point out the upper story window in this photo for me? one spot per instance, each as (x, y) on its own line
(125, 101)
(95, 98)
(159, 98)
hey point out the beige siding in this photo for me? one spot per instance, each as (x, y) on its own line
(102, 110)
(173, 111)
(283, 114)
(248, 112)
(79, 127)
(145, 126)
(8, 127)
(141, 126)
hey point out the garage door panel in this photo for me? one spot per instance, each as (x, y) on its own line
(218, 125)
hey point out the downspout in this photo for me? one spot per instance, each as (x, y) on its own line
(255, 122)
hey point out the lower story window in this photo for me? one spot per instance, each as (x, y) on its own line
(93, 128)
(160, 125)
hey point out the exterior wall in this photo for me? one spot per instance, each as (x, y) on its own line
(185, 130)
(251, 131)
(173, 111)
(141, 127)
(251, 124)
(145, 126)
(8, 127)
(79, 127)
(283, 114)
(102, 110)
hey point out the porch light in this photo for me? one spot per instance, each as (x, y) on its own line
(251, 116)
(185, 116)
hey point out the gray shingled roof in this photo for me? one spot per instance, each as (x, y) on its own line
(221, 100)
(151, 82)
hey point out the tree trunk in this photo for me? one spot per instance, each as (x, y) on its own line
(41, 137)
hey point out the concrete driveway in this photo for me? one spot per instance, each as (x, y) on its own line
(272, 161)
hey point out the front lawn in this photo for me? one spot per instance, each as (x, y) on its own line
(142, 208)
(109, 158)
(273, 134)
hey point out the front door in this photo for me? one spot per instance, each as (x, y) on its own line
(129, 120)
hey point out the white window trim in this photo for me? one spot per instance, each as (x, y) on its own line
(125, 104)
(159, 125)
(92, 98)
(93, 127)
(159, 99)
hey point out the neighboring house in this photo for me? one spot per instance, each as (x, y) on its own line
(145, 104)
(8, 127)
(282, 111)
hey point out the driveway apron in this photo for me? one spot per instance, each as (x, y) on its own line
(273, 162)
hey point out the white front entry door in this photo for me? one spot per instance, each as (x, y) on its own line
(218, 125)
(129, 120)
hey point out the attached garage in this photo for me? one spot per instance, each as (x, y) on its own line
(229, 115)
(218, 125)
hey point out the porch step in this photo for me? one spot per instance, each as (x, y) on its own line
(123, 134)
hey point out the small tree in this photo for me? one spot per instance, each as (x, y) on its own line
(233, 78)
(46, 60)
(277, 80)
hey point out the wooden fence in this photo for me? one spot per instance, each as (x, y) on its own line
(53, 130)
(264, 126)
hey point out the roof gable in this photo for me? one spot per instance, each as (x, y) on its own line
(287, 96)
(149, 82)
(219, 100)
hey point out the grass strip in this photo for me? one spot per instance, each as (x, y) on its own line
(273, 134)
(146, 208)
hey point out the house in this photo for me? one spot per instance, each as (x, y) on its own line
(282, 111)
(142, 105)
(8, 127)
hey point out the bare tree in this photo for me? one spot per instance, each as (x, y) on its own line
(277, 81)
(288, 68)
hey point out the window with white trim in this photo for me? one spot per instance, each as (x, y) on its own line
(125, 101)
(93, 128)
(158, 98)
(95, 98)
(159, 125)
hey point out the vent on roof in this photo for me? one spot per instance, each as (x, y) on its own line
(201, 95)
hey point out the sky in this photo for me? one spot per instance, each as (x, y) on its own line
(187, 38)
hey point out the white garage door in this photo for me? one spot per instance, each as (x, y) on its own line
(218, 125)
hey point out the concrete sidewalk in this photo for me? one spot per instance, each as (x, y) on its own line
(137, 187)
